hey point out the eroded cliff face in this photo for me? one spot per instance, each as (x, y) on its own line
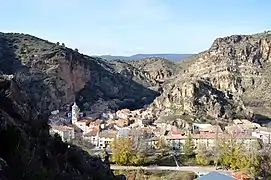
(156, 69)
(29, 152)
(53, 75)
(230, 79)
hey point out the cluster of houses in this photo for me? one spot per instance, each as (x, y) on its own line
(101, 132)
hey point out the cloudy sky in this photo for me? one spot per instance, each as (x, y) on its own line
(125, 27)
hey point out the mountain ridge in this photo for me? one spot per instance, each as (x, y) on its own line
(237, 66)
(214, 83)
(53, 75)
(169, 56)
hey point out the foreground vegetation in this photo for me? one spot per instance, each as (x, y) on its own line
(254, 159)
(156, 175)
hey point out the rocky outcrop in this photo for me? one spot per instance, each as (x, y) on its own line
(132, 72)
(53, 75)
(29, 152)
(156, 69)
(231, 78)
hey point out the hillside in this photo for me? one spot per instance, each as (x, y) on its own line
(171, 57)
(53, 75)
(158, 69)
(229, 80)
(29, 152)
(132, 72)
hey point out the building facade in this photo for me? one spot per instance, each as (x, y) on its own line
(65, 132)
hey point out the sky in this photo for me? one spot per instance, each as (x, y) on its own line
(126, 27)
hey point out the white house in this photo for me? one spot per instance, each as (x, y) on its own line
(208, 140)
(65, 132)
(101, 139)
(92, 137)
(263, 133)
(123, 114)
(106, 138)
(54, 112)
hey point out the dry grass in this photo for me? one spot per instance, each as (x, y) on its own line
(157, 175)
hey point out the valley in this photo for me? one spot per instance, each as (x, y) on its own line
(219, 92)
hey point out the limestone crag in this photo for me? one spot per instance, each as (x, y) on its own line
(53, 75)
(228, 80)
(132, 72)
(157, 69)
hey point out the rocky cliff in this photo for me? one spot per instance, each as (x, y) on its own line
(29, 152)
(228, 81)
(53, 75)
(156, 69)
(150, 72)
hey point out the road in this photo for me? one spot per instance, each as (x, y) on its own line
(196, 169)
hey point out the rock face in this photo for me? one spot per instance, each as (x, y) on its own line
(54, 75)
(150, 72)
(229, 80)
(29, 152)
(156, 69)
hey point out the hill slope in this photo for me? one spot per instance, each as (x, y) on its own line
(158, 69)
(54, 75)
(29, 152)
(228, 81)
(171, 57)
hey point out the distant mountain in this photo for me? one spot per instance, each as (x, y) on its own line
(172, 57)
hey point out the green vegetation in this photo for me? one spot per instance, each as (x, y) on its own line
(188, 146)
(230, 153)
(235, 155)
(156, 175)
(203, 157)
(123, 153)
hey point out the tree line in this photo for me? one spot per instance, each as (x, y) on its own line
(253, 158)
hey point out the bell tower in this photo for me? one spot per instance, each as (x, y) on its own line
(75, 113)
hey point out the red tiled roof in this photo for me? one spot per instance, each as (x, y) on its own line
(176, 133)
(62, 128)
(240, 175)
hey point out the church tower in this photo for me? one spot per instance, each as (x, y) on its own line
(75, 113)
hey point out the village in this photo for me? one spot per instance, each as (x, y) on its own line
(71, 124)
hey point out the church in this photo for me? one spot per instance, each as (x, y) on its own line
(82, 123)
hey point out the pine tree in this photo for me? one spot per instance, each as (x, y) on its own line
(188, 146)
